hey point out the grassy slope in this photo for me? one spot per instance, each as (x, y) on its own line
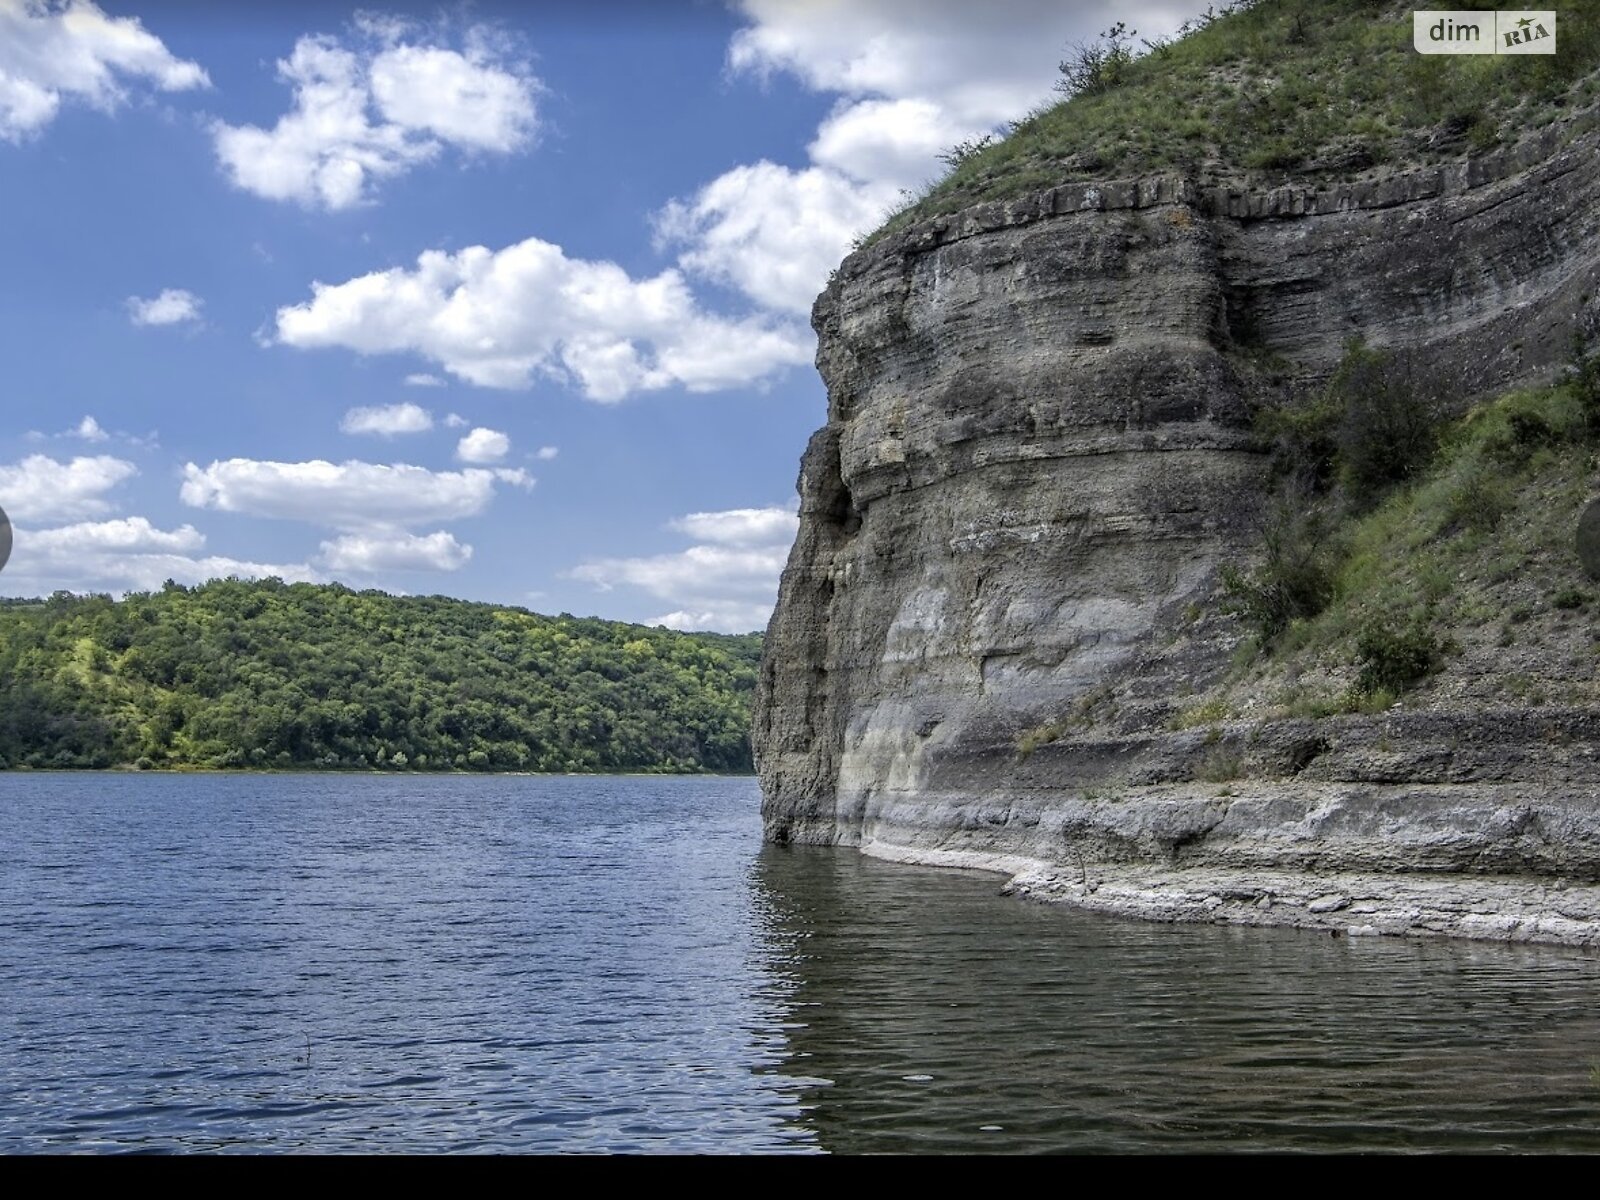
(1480, 553)
(1325, 88)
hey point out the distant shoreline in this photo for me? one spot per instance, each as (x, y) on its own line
(453, 774)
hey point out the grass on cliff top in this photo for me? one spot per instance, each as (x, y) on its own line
(1329, 87)
(1458, 578)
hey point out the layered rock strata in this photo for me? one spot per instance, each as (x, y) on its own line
(1037, 456)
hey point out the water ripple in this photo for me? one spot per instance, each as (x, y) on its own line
(248, 963)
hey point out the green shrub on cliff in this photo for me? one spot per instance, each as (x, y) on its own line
(1295, 578)
(1390, 412)
(1373, 426)
(1392, 658)
(1094, 68)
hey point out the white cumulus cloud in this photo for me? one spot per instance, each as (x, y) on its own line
(351, 496)
(172, 307)
(40, 488)
(53, 51)
(728, 581)
(367, 553)
(125, 534)
(773, 232)
(374, 107)
(501, 318)
(387, 420)
(546, 453)
(771, 526)
(467, 99)
(90, 430)
(987, 62)
(723, 618)
(483, 446)
(913, 78)
(731, 568)
(895, 142)
(423, 379)
(122, 555)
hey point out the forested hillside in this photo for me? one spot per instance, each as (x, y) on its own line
(267, 674)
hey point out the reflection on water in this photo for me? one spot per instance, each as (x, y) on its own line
(384, 963)
(931, 1014)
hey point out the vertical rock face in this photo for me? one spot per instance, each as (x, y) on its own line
(1036, 444)
(1037, 456)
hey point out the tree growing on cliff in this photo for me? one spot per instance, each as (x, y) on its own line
(1295, 578)
(1374, 426)
(1584, 373)
(1391, 409)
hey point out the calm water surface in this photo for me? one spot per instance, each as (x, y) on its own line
(385, 963)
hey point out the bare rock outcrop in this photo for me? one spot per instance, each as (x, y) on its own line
(1036, 459)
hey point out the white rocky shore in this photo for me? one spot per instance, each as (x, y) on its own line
(1489, 908)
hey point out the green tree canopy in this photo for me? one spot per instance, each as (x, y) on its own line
(268, 674)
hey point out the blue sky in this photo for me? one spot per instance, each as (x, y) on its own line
(501, 301)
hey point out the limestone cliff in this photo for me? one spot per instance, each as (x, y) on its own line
(1036, 459)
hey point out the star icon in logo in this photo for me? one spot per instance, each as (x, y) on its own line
(1525, 22)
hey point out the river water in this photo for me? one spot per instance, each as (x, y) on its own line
(370, 963)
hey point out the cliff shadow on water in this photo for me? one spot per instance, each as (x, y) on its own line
(1086, 440)
(922, 1012)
